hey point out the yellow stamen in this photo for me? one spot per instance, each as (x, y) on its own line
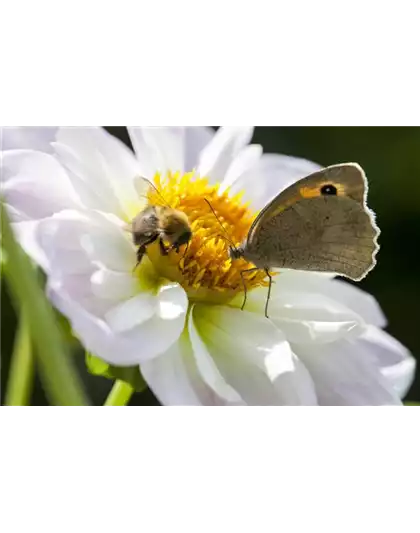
(205, 271)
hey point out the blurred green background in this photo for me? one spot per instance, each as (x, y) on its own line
(391, 159)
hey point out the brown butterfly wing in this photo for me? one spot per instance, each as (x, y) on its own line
(306, 230)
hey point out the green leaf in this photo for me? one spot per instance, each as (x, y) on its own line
(3, 260)
(130, 375)
(412, 404)
(59, 377)
(20, 381)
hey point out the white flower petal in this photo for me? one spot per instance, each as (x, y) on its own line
(129, 347)
(69, 241)
(359, 301)
(94, 191)
(344, 374)
(34, 134)
(61, 259)
(78, 288)
(101, 168)
(14, 214)
(131, 313)
(207, 367)
(253, 356)
(168, 377)
(174, 378)
(28, 137)
(394, 360)
(305, 317)
(167, 123)
(245, 161)
(35, 184)
(163, 145)
(272, 174)
(76, 241)
(26, 234)
(112, 250)
(196, 139)
(218, 155)
(115, 285)
(28, 124)
(345, 295)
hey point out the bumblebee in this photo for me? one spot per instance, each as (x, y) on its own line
(160, 223)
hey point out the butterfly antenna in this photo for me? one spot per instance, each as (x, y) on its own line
(221, 225)
(155, 188)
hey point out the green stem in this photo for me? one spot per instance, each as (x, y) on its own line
(60, 379)
(120, 394)
(19, 384)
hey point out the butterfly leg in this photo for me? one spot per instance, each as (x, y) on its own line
(270, 282)
(244, 284)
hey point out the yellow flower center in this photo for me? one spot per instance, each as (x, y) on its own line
(204, 268)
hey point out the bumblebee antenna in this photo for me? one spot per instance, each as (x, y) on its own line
(221, 225)
(155, 188)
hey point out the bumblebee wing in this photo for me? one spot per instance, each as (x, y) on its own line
(307, 229)
(145, 225)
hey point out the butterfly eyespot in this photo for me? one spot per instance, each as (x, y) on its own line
(329, 189)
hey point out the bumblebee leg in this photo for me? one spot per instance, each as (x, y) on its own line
(163, 249)
(244, 284)
(269, 291)
(186, 250)
(141, 250)
(139, 255)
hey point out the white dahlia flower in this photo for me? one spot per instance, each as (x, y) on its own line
(72, 191)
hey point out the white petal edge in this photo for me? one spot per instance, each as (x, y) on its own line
(35, 184)
(110, 284)
(304, 316)
(168, 377)
(244, 161)
(253, 356)
(207, 367)
(28, 137)
(269, 176)
(174, 378)
(26, 234)
(102, 169)
(163, 145)
(73, 238)
(129, 347)
(216, 158)
(344, 374)
(346, 295)
(395, 361)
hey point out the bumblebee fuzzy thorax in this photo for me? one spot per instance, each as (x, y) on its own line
(174, 225)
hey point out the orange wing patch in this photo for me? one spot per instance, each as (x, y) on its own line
(306, 192)
(314, 192)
